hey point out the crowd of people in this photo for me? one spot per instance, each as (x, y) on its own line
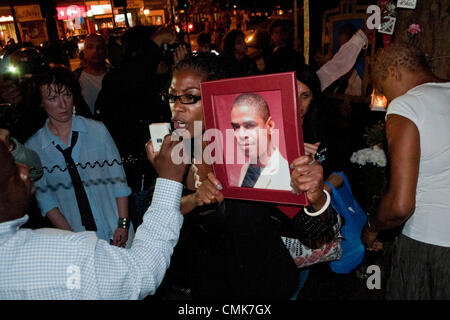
(78, 158)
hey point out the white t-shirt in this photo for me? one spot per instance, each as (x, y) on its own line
(428, 107)
(90, 87)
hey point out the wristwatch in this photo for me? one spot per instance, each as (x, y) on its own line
(124, 223)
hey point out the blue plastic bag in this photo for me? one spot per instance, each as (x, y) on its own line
(353, 249)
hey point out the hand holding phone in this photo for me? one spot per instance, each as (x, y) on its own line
(157, 133)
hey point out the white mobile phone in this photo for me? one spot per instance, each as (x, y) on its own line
(157, 133)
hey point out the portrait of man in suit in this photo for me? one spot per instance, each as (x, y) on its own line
(254, 131)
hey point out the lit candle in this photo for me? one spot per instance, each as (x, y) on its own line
(379, 101)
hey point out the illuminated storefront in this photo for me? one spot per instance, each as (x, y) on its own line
(72, 20)
(7, 31)
(29, 21)
(156, 12)
(154, 17)
(135, 13)
(100, 14)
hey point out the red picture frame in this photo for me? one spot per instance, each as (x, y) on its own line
(280, 92)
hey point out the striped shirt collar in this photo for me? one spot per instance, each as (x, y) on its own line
(10, 227)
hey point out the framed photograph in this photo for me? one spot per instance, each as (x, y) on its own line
(388, 25)
(408, 4)
(253, 135)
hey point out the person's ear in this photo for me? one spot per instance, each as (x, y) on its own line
(270, 124)
(394, 73)
(24, 172)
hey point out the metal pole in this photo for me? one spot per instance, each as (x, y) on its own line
(172, 14)
(87, 19)
(295, 22)
(112, 13)
(306, 32)
(126, 16)
(16, 27)
(187, 25)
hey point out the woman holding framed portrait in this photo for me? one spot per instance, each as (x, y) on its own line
(232, 248)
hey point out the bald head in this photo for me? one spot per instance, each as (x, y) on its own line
(94, 37)
(255, 101)
(6, 167)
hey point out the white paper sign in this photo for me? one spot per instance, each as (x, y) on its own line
(388, 25)
(408, 4)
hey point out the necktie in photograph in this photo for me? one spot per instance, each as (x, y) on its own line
(87, 219)
(251, 176)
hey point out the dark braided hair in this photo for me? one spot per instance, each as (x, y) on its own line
(203, 63)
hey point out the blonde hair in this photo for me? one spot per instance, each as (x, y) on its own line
(398, 55)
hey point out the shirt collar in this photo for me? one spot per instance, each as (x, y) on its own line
(11, 226)
(77, 125)
(273, 163)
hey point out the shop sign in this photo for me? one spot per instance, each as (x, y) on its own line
(135, 4)
(6, 19)
(71, 12)
(28, 13)
(100, 9)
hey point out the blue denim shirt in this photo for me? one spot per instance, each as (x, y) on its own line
(102, 184)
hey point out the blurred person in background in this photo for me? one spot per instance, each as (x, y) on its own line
(234, 56)
(91, 74)
(130, 101)
(281, 50)
(204, 42)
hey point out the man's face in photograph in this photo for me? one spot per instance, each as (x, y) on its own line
(251, 130)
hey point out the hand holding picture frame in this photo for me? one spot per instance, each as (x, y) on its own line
(254, 134)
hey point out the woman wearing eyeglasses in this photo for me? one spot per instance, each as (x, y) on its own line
(227, 248)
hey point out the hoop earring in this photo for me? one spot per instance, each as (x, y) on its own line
(74, 110)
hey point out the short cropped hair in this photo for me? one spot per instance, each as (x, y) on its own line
(95, 36)
(279, 23)
(254, 100)
(398, 55)
(204, 38)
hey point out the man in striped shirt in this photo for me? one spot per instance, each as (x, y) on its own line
(57, 264)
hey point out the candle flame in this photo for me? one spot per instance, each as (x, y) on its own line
(378, 100)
